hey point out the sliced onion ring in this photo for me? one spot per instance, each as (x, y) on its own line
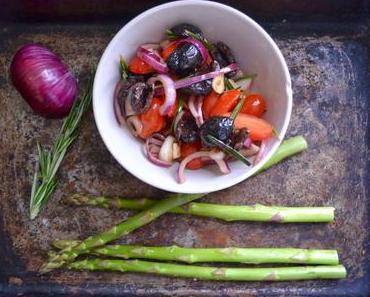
(135, 125)
(169, 91)
(182, 83)
(195, 107)
(117, 108)
(217, 156)
(156, 140)
(200, 46)
(153, 59)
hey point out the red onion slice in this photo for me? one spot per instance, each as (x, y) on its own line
(152, 148)
(117, 109)
(218, 157)
(153, 59)
(135, 125)
(199, 45)
(182, 83)
(195, 107)
(169, 91)
(247, 142)
(261, 152)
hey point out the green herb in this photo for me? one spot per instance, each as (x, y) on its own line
(228, 149)
(202, 39)
(228, 84)
(44, 181)
(247, 76)
(179, 109)
(171, 35)
(123, 67)
(275, 133)
(237, 108)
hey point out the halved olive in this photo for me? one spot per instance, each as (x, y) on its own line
(138, 99)
(223, 55)
(186, 129)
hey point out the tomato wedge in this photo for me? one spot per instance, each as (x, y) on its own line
(151, 119)
(259, 129)
(189, 148)
(225, 103)
(208, 103)
(138, 66)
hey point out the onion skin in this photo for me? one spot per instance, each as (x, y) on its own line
(43, 80)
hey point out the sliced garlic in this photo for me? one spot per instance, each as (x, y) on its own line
(218, 83)
(176, 151)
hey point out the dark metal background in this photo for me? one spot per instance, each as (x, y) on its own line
(326, 45)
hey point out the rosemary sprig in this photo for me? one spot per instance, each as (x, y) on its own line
(228, 149)
(123, 68)
(44, 181)
(206, 43)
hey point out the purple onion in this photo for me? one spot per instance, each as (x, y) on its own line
(43, 80)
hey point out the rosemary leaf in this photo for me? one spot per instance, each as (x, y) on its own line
(44, 182)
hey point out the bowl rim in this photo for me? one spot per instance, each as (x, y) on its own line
(218, 186)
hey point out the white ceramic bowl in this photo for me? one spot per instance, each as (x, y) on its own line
(255, 52)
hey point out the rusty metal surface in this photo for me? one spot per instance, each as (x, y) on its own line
(330, 74)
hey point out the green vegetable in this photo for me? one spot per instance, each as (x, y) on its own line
(214, 273)
(142, 218)
(227, 255)
(44, 181)
(289, 147)
(228, 213)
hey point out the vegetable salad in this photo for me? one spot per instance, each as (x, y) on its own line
(191, 104)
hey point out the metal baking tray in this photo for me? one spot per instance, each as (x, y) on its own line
(326, 46)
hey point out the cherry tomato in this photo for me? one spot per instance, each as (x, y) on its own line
(189, 148)
(208, 103)
(138, 66)
(151, 119)
(254, 104)
(225, 103)
(169, 49)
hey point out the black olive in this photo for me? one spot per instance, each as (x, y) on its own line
(141, 95)
(224, 56)
(238, 138)
(184, 59)
(180, 30)
(199, 88)
(219, 127)
(186, 129)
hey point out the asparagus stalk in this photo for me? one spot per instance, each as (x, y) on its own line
(287, 148)
(256, 212)
(142, 218)
(214, 273)
(230, 254)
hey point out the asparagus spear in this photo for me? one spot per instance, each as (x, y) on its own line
(287, 148)
(230, 254)
(256, 212)
(142, 218)
(214, 273)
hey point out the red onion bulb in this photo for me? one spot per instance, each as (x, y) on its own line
(43, 80)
